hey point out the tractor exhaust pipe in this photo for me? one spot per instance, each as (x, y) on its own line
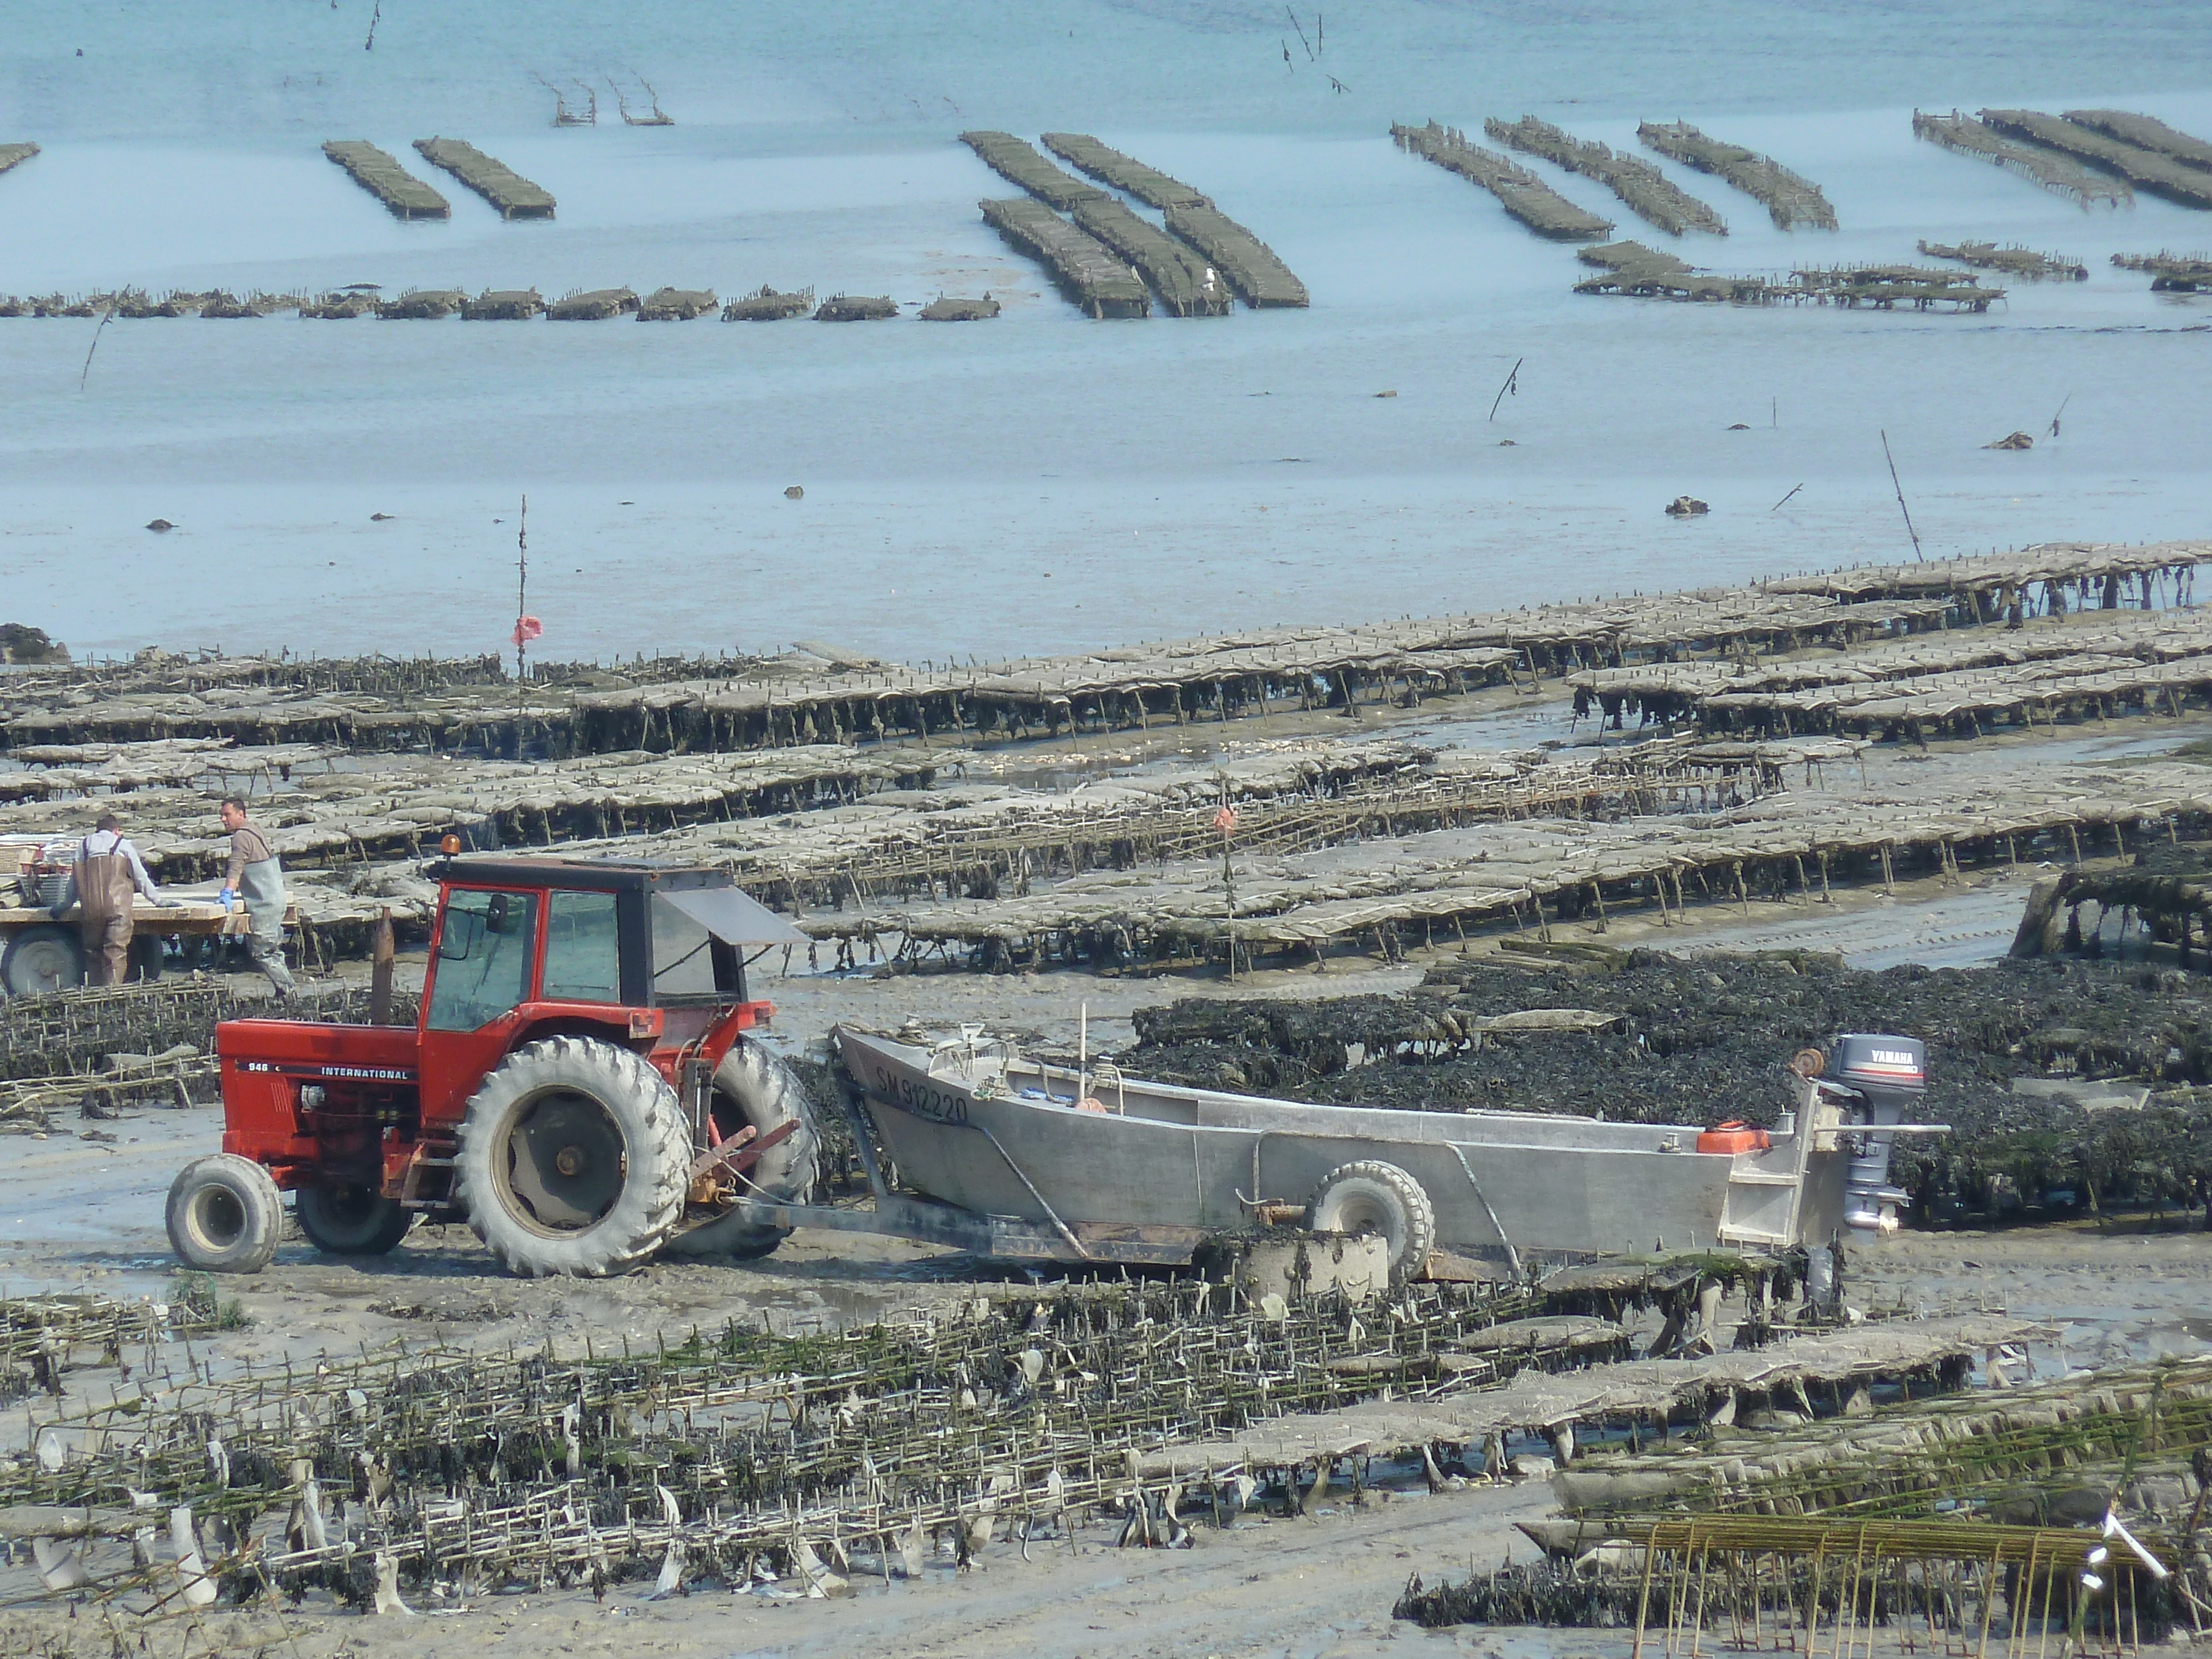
(1889, 1075)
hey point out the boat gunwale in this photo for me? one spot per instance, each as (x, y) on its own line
(1199, 1095)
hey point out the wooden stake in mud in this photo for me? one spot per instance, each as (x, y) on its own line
(1989, 1604)
(526, 627)
(1919, 557)
(1643, 1599)
(1512, 385)
(1226, 821)
(93, 347)
(379, 970)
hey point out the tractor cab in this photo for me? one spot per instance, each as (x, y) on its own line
(632, 933)
(633, 950)
(576, 1086)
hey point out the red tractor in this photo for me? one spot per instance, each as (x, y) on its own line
(578, 1086)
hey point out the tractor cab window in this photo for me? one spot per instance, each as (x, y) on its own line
(484, 952)
(583, 953)
(687, 960)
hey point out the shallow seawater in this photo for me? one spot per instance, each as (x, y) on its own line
(1039, 482)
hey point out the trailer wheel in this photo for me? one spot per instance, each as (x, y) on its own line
(345, 1219)
(752, 1085)
(225, 1214)
(44, 958)
(572, 1159)
(1374, 1197)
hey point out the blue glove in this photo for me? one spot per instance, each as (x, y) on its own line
(226, 897)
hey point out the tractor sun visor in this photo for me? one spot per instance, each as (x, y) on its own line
(734, 918)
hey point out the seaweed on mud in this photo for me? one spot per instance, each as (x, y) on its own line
(1562, 1595)
(1541, 1594)
(838, 1157)
(200, 1299)
(1707, 1039)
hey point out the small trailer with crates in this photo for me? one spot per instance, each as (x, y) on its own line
(38, 953)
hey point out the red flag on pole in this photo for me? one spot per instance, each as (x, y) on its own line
(1226, 821)
(525, 629)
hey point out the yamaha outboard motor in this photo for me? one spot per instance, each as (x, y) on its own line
(1889, 1074)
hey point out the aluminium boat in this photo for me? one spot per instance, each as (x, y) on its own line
(1015, 1156)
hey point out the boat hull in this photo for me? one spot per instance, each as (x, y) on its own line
(1004, 1139)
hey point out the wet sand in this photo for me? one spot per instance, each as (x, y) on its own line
(85, 1215)
(1313, 1587)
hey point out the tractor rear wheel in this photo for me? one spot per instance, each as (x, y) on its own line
(573, 1159)
(753, 1086)
(225, 1214)
(343, 1219)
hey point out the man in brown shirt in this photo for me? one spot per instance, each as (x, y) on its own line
(255, 875)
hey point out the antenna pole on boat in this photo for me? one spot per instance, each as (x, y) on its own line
(1082, 1054)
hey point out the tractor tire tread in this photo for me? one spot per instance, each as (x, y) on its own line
(1390, 1186)
(629, 1234)
(381, 1237)
(767, 1093)
(261, 1207)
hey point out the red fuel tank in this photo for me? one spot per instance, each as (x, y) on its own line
(1733, 1138)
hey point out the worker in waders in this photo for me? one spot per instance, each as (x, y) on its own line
(255, 875)
(106, 876)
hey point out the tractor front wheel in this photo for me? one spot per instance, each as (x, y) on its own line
(351, 1220)
(225, 1214)
(573, 1159)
